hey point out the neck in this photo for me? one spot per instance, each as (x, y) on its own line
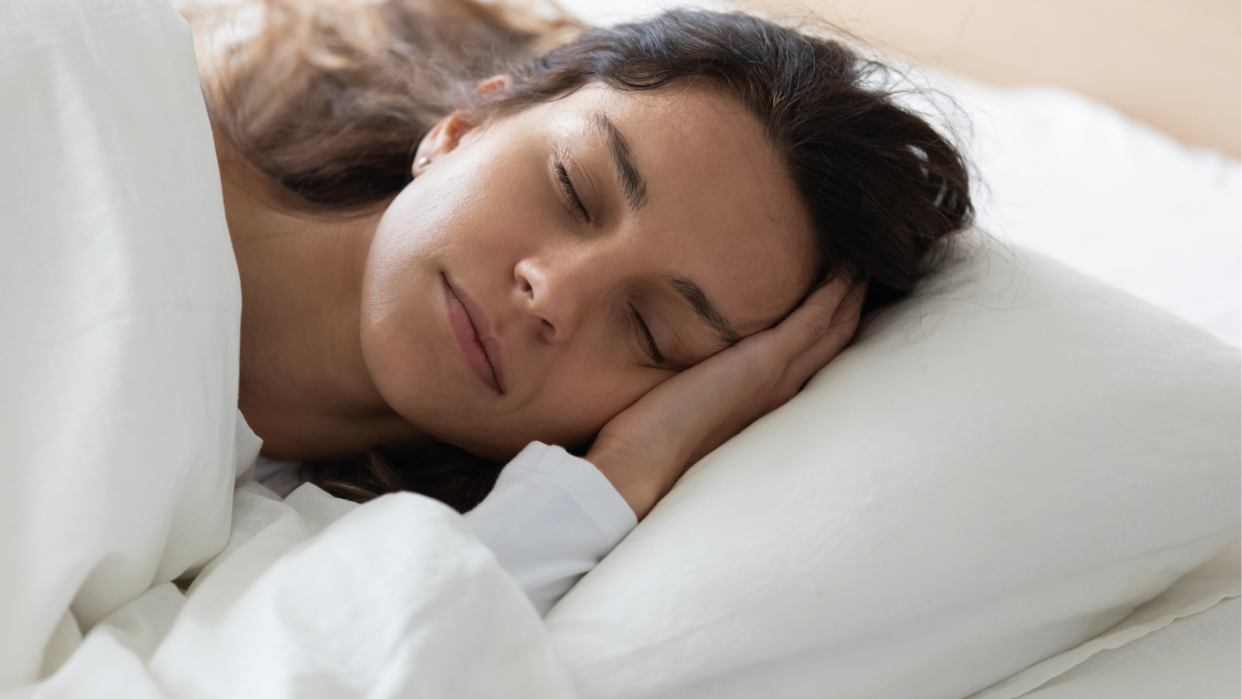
(304, 385)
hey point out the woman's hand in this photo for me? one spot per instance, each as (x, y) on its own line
(646, 448)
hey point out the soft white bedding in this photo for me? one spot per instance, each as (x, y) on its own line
(1077, 181)
(395, 599)
(118, 372)
(118, 379)
(316, 597)
(1172, 645)
(1196, 656)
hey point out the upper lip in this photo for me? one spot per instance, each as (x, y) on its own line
(479, 321)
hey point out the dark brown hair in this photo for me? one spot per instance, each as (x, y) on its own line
(882, 187)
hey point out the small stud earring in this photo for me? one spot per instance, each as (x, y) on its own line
(422, 162)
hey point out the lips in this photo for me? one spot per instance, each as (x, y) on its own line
(469, 325)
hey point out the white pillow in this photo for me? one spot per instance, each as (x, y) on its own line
(1110, 196)
(999, 469)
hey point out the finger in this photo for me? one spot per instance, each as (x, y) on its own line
(841, 330)
(810, 321)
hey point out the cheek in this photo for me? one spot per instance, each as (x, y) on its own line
(586, 393)
(398, 345)
(582, 387)
(400, 316)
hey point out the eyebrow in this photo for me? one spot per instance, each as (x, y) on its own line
(623, 157)
(704, 309)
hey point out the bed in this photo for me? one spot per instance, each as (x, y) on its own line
(1022, 482)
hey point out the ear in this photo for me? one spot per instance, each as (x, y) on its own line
(496, 81)
(447, 132)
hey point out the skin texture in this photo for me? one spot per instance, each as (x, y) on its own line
(558, 293)
(347, 338)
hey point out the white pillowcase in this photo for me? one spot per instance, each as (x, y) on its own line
(999, 469)
(1076, 180)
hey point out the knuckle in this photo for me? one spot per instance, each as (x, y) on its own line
(816, 324)
(822, 322)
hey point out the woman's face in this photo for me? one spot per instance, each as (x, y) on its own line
(546, 270)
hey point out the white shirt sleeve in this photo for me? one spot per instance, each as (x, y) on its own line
(551, 517)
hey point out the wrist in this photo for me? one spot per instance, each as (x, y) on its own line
(633, 477)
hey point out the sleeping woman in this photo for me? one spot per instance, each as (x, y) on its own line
(539, 284)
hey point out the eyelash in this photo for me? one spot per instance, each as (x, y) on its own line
(568, 186)
(646, 332)
(563, 177)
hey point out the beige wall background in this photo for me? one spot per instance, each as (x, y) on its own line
(1176, 65)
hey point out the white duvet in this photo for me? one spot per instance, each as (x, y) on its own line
(119, 435)
(395, 599)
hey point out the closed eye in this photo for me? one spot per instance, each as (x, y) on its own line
(575, 204)
(645, 334)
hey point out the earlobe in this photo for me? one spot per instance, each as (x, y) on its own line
(441, 140)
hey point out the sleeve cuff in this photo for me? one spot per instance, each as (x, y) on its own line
(549, 520)
(580, 481)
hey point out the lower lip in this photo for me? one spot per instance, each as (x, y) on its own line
(468, 339)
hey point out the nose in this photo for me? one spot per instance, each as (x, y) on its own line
(557, 291)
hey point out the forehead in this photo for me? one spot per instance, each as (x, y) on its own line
(720, 207)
